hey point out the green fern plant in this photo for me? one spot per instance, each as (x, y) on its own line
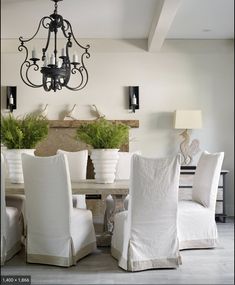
(24, 133)
(102, 134)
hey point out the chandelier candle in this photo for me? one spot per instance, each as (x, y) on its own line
(60, 69)
(63, 52)
(34, 54)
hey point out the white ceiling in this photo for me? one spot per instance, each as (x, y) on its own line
(204, 19)
(122, 19)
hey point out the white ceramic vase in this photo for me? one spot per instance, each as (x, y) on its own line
(14, 163)
(105, 162)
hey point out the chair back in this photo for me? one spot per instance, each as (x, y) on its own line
(152, 212)
(77, 163)
(48, 196)
(206, 179)
(123, 167)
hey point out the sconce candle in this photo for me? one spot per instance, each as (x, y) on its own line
(134, 100)
(11, 100)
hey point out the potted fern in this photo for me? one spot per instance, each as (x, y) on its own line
(21, 136)
(105, 138)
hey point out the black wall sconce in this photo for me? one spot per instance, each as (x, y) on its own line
(11, 98)
(134, 98)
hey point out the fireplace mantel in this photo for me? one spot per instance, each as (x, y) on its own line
(77, 123)
(62, 136)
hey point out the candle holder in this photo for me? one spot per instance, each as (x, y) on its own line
(134, 98)
(11, 98)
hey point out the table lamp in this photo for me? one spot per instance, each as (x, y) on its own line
(188, 119)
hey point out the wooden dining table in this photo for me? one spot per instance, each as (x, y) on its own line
(118, 190)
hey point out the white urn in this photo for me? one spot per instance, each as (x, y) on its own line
(105, 162)
(14, 163)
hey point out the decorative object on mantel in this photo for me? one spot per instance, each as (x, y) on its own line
(188, 119)
(21, 136)
(96, 112)
(11, 98)
(134, 98)
(43, 113)
(58, 69)
(106, 138)
(70, 114)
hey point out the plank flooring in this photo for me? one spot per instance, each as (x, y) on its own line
(211, 266)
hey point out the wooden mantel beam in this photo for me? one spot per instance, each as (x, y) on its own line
(77, 123)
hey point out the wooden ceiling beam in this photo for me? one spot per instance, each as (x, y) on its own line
(163, 18)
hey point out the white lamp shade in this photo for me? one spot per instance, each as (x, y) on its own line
(188, 119)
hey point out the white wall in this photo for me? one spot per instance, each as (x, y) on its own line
(184, 75)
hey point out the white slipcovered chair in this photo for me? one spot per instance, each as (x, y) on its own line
(145, 236)
(78, 168)
(18, 201)
(123, 170)
(196, 219)
(15, 200)
(11, 224)
(57, 233)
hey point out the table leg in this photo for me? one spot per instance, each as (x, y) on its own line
(118, 207)
(104, 239)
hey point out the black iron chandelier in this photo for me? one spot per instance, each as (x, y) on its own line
(58, 69)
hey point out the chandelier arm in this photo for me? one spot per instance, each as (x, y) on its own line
(71, 30)
(27, 76)
(47, 43)
(39, 25)
(27, 81)
(83, 83)
(76, 88)
(87, 55)
(65, 29)
(46, 25)
(81, 70)
(27, 64)
(21, 69)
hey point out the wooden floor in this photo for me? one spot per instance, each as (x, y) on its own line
(214, 266)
